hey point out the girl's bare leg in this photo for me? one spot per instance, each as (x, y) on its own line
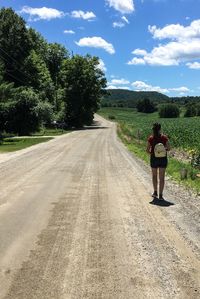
(161, 180)
(155, 178)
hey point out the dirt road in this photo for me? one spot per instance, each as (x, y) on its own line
(76, 222)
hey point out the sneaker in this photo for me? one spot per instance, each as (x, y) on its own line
(161, 197)
(155, 194)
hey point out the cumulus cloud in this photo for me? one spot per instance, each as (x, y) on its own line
(96, 42)
(43, 13)
(176, 31)
(136, 61)
(193, 65)
(79, 14)
(182, 89)
(119, 81)
(183, 47)
(142, 86)
(68, 31)
(117, 87)
(123, 6)
(118, 24)
(102, 65)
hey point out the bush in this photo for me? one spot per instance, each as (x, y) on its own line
(111, 116)
(190, 111)
(145, 106)
(169, 111)
(198, 109)
(44, 111)
(21, 117)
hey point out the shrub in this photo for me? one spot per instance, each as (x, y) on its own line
(190, 111)
(145, 106)
(21, 115)
(169, 111)
(111, 116)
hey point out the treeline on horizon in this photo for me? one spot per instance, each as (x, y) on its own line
(41, 82)
(151, 101)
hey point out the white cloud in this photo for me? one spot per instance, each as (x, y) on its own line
(69, 31)
(79, 14)
(96, 42)
(193, 65)
(182, 89)
(118, 24)
(184, 46)
(125, 19)
(102, 66)
(119, 81)
(142, 86)
(139, 52)
(111, 87)
(136, 61)
(117, 87)
(43, 13)
(176, 31)
(123, 6)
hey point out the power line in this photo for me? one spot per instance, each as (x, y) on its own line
(25, 75)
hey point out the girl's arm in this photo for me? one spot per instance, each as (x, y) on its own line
(148, 149)
(167, 146)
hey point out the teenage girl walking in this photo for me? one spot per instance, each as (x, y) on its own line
(157, 147)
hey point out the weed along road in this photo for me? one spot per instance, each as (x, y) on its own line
(76, 222)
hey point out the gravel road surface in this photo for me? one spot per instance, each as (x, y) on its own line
(77, 221)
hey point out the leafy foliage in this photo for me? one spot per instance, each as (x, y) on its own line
(83, 82)
(169, 111)
(40, 82)
(146, 106)
(21, 115)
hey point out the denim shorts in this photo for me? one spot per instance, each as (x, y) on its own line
(158, 162)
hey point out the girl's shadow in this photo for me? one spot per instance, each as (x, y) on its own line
(161, 203)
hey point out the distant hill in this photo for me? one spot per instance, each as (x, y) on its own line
(129, 98)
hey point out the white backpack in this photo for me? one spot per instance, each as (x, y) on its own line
(160, 150)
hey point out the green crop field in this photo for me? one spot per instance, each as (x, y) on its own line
(184, 133)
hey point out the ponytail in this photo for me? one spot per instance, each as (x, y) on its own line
(156, 129)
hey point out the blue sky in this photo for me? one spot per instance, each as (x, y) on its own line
(142, 44)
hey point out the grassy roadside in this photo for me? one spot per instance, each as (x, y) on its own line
(15, 144)
(138, 147)
(51, 132)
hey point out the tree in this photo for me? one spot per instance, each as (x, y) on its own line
(145, 106)
(198, 109)
(190, 110)
(44, 111)
(169, 111)
(38, 76)
(83, 81)
(38, 43)
(22, 117)
(55, 55)
(15, 45)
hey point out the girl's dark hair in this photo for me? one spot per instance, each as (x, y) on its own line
(156, 128)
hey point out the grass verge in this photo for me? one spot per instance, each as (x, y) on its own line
(51, 132)
(15, 144)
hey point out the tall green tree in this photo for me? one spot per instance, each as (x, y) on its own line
(15, 45)
(84, 83)
(38, 76)
(55, 55)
